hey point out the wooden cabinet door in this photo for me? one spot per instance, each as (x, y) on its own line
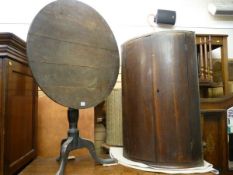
(1, 119)
(20, 116)
(215, 139)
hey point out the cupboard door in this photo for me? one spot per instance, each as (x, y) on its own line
(215, 139)
(211, 135)
(20, 117)
(1, 119)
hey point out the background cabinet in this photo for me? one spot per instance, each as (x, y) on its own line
(214, 110)
(206, 43)
(18, 106)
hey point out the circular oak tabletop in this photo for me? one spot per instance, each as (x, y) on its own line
(73, 54)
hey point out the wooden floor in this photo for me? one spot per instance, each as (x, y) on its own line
(80, 166)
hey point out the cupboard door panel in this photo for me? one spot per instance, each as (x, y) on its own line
(20, 118)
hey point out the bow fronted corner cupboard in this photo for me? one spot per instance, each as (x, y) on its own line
(18, 106)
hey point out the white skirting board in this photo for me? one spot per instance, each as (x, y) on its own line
(117, 153)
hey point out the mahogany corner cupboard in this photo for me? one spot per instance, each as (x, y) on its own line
(18, 106)
(160, 96)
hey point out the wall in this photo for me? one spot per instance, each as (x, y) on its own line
(52, 127)
(126, 18)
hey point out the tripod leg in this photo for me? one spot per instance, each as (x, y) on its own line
(91, 148)
(59, 158)
(66, 148)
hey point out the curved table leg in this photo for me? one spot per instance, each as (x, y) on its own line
(59, 158)
(66, 148)
(91, 148)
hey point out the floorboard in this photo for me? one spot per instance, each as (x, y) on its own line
(80, 166)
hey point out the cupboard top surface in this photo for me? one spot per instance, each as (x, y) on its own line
(12, 47)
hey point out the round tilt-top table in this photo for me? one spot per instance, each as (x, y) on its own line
(74, 58)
